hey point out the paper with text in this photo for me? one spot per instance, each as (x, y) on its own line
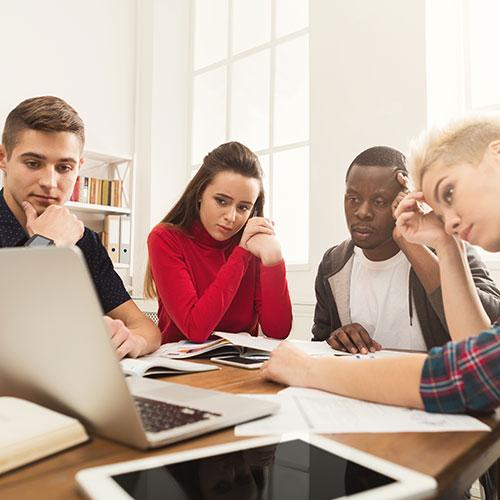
(311, 410)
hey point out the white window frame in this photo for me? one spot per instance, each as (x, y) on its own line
(492, 259)
(228, 62)
(467, 84)
(458, 11)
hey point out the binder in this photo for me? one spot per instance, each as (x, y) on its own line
(125, 239)
(112, 228)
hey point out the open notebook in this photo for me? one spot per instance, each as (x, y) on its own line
(153, 365)
(222, 343)
(219, 343)
(29, 432)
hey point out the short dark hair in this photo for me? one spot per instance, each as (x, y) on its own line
(379, 156)
(46, 114)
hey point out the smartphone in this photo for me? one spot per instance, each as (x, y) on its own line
(250, 362)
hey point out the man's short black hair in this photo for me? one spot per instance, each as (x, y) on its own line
(379, 156)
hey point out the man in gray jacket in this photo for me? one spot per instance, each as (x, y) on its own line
(375, 289)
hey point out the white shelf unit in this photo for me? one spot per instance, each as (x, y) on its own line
(111, 167)
(92, 207)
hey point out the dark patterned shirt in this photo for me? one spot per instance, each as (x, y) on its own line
(463, 376)
(108, 284)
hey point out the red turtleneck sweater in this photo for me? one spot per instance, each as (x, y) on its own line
(205, 285)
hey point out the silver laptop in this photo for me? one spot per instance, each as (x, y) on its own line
(55, 351)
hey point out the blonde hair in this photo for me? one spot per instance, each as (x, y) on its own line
(462, 141)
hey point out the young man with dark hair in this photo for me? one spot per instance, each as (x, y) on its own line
(40, 156)
(377, 289)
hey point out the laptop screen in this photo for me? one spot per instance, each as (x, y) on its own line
(295, 470)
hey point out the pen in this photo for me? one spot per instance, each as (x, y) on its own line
(364, 356)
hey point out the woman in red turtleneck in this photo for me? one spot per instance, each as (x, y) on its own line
(214, 261)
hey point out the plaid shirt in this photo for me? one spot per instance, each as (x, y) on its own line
(463, 376)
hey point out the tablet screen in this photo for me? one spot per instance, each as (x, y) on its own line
(294, 470)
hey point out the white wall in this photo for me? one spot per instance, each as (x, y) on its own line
(163, 90)
(368, 88)
(82, 51)
(124, 66)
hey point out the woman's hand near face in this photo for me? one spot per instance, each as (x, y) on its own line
(255, 225)
(416, 226)
(266, 247)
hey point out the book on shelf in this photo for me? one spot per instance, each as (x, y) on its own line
(151, 366)
(76, 191)
(83, 196)
(107, 192)
(29, 432)
(104, 193)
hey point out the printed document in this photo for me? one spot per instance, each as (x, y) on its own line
(311, 410)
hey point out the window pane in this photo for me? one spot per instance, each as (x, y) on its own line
(485, 39)
(264, 163)
(210, 32)
(209, 113)
(291, 203)
(291, 119)
(250, 101)
(251, 24)
(291, 15)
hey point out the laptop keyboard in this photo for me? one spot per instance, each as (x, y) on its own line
(159, 416)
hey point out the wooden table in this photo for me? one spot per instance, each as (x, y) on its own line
(454, 459)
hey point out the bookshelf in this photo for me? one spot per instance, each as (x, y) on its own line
(107, 167)
(93, 189)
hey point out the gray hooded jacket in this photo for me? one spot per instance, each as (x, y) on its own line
(333, 290)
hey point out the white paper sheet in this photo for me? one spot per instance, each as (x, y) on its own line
(247, 340)
(268, 344)
(323, 349)
(289, 418)
(316, 348)
(310, 410)
(309, 347)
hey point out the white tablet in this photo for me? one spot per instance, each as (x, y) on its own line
(299, 467)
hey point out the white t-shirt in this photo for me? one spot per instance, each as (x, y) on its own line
(379, 301)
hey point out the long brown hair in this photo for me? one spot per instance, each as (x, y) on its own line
(232, 157)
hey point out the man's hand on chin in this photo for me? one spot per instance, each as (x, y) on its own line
(56, 223)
